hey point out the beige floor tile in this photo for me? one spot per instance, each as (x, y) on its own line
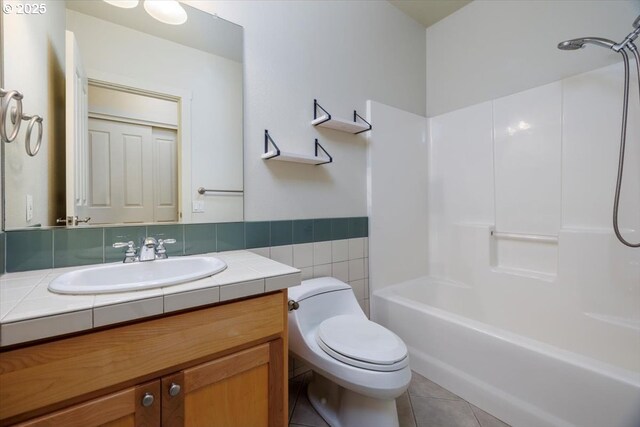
(485, 419)
(421, 386)
(434, 412)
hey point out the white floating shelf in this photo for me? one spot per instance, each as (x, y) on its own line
(349, 126)
(293, 157)
(326, 121)
(284, 156)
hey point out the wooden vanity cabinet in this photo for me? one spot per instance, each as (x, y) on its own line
(219, 366)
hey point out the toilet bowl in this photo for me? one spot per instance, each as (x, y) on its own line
(359, 367)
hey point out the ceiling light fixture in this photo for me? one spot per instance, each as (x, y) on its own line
(167, 11)
(125, 4)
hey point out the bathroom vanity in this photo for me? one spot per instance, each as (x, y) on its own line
(221, 364)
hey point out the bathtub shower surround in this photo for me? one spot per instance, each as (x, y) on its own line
(531, 306)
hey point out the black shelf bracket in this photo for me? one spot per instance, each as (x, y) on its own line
(325, 152)
(267, 140)
(315, 112)
(357, 116)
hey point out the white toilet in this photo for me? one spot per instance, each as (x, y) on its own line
(359, 367)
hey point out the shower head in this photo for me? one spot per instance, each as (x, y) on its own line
(636, 23)
(576, 44)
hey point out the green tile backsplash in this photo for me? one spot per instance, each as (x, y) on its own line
(321, 230)
(29, 250)
(199, 238)
(281, 232)
(339, 228)
(302, 231)
(77, 246)
(258, 234)
(2, 264)
(23, 250)
(230, 236)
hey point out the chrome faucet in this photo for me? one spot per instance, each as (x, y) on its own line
(148, 249)
(151, 249)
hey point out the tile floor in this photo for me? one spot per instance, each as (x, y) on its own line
(424, 404)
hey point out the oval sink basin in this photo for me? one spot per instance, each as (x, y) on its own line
(136, 275)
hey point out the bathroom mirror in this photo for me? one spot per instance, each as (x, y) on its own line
(142, 119)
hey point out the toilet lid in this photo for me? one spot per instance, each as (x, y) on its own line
(357, 338)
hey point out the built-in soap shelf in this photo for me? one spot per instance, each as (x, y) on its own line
(326, 120)
(529, 255)
(276, 154)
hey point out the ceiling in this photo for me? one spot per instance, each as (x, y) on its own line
(428, 12)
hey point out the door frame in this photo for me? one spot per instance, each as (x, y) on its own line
(183, 97)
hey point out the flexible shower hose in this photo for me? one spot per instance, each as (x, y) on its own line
(623, 138)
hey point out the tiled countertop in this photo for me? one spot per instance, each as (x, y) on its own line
(28, 311)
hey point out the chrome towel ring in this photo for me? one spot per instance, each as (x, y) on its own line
(16, 118)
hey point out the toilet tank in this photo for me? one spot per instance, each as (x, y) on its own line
(320, 299)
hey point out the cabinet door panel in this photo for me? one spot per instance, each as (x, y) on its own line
(239, 400)
(120, 409)
(235, 390)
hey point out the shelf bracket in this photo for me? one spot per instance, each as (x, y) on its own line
(355, 119)
(315, 112)
(267, 140)
(325, 152)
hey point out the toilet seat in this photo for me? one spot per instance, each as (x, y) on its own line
(356, 341)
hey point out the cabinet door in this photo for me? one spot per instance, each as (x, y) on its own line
(245, 389)
(126, 408)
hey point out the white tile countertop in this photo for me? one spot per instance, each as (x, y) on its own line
(29, 311)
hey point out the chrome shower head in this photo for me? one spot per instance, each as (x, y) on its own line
(576, 44)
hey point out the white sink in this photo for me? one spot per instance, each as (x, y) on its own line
(136, 275)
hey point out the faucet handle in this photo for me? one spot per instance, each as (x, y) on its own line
(161, 251)
(123, 244)
(131, 249)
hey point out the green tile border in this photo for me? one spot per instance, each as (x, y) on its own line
(77, 246)
(2, 259)
(281, 233)
(23, 250)
(29, 250)
(257, 234)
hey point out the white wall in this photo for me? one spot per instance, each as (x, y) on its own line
(215, 86)
(397, 176)
(554, 176)
(492, 48)
(341, 53)
(39, 75)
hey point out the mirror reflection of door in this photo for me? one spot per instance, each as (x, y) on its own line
(131, 157)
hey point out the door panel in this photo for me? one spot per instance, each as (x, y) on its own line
(99, 161)
(227, 392)
(165, 182)
(120, 409)
(239, 400)
(120, 172)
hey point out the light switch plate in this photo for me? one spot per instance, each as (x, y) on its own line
(198, 206)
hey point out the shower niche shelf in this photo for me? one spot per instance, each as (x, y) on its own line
(327, 121)
(284, 156)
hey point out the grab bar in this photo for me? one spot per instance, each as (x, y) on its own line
(203, 190)
(542, 238)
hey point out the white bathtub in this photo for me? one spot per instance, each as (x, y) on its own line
(511, 361)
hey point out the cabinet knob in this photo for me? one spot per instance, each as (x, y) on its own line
(174, 389)
(147, 400)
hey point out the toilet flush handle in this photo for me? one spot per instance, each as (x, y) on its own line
(293, 305)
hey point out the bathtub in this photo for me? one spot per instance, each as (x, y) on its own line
(505, 356)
